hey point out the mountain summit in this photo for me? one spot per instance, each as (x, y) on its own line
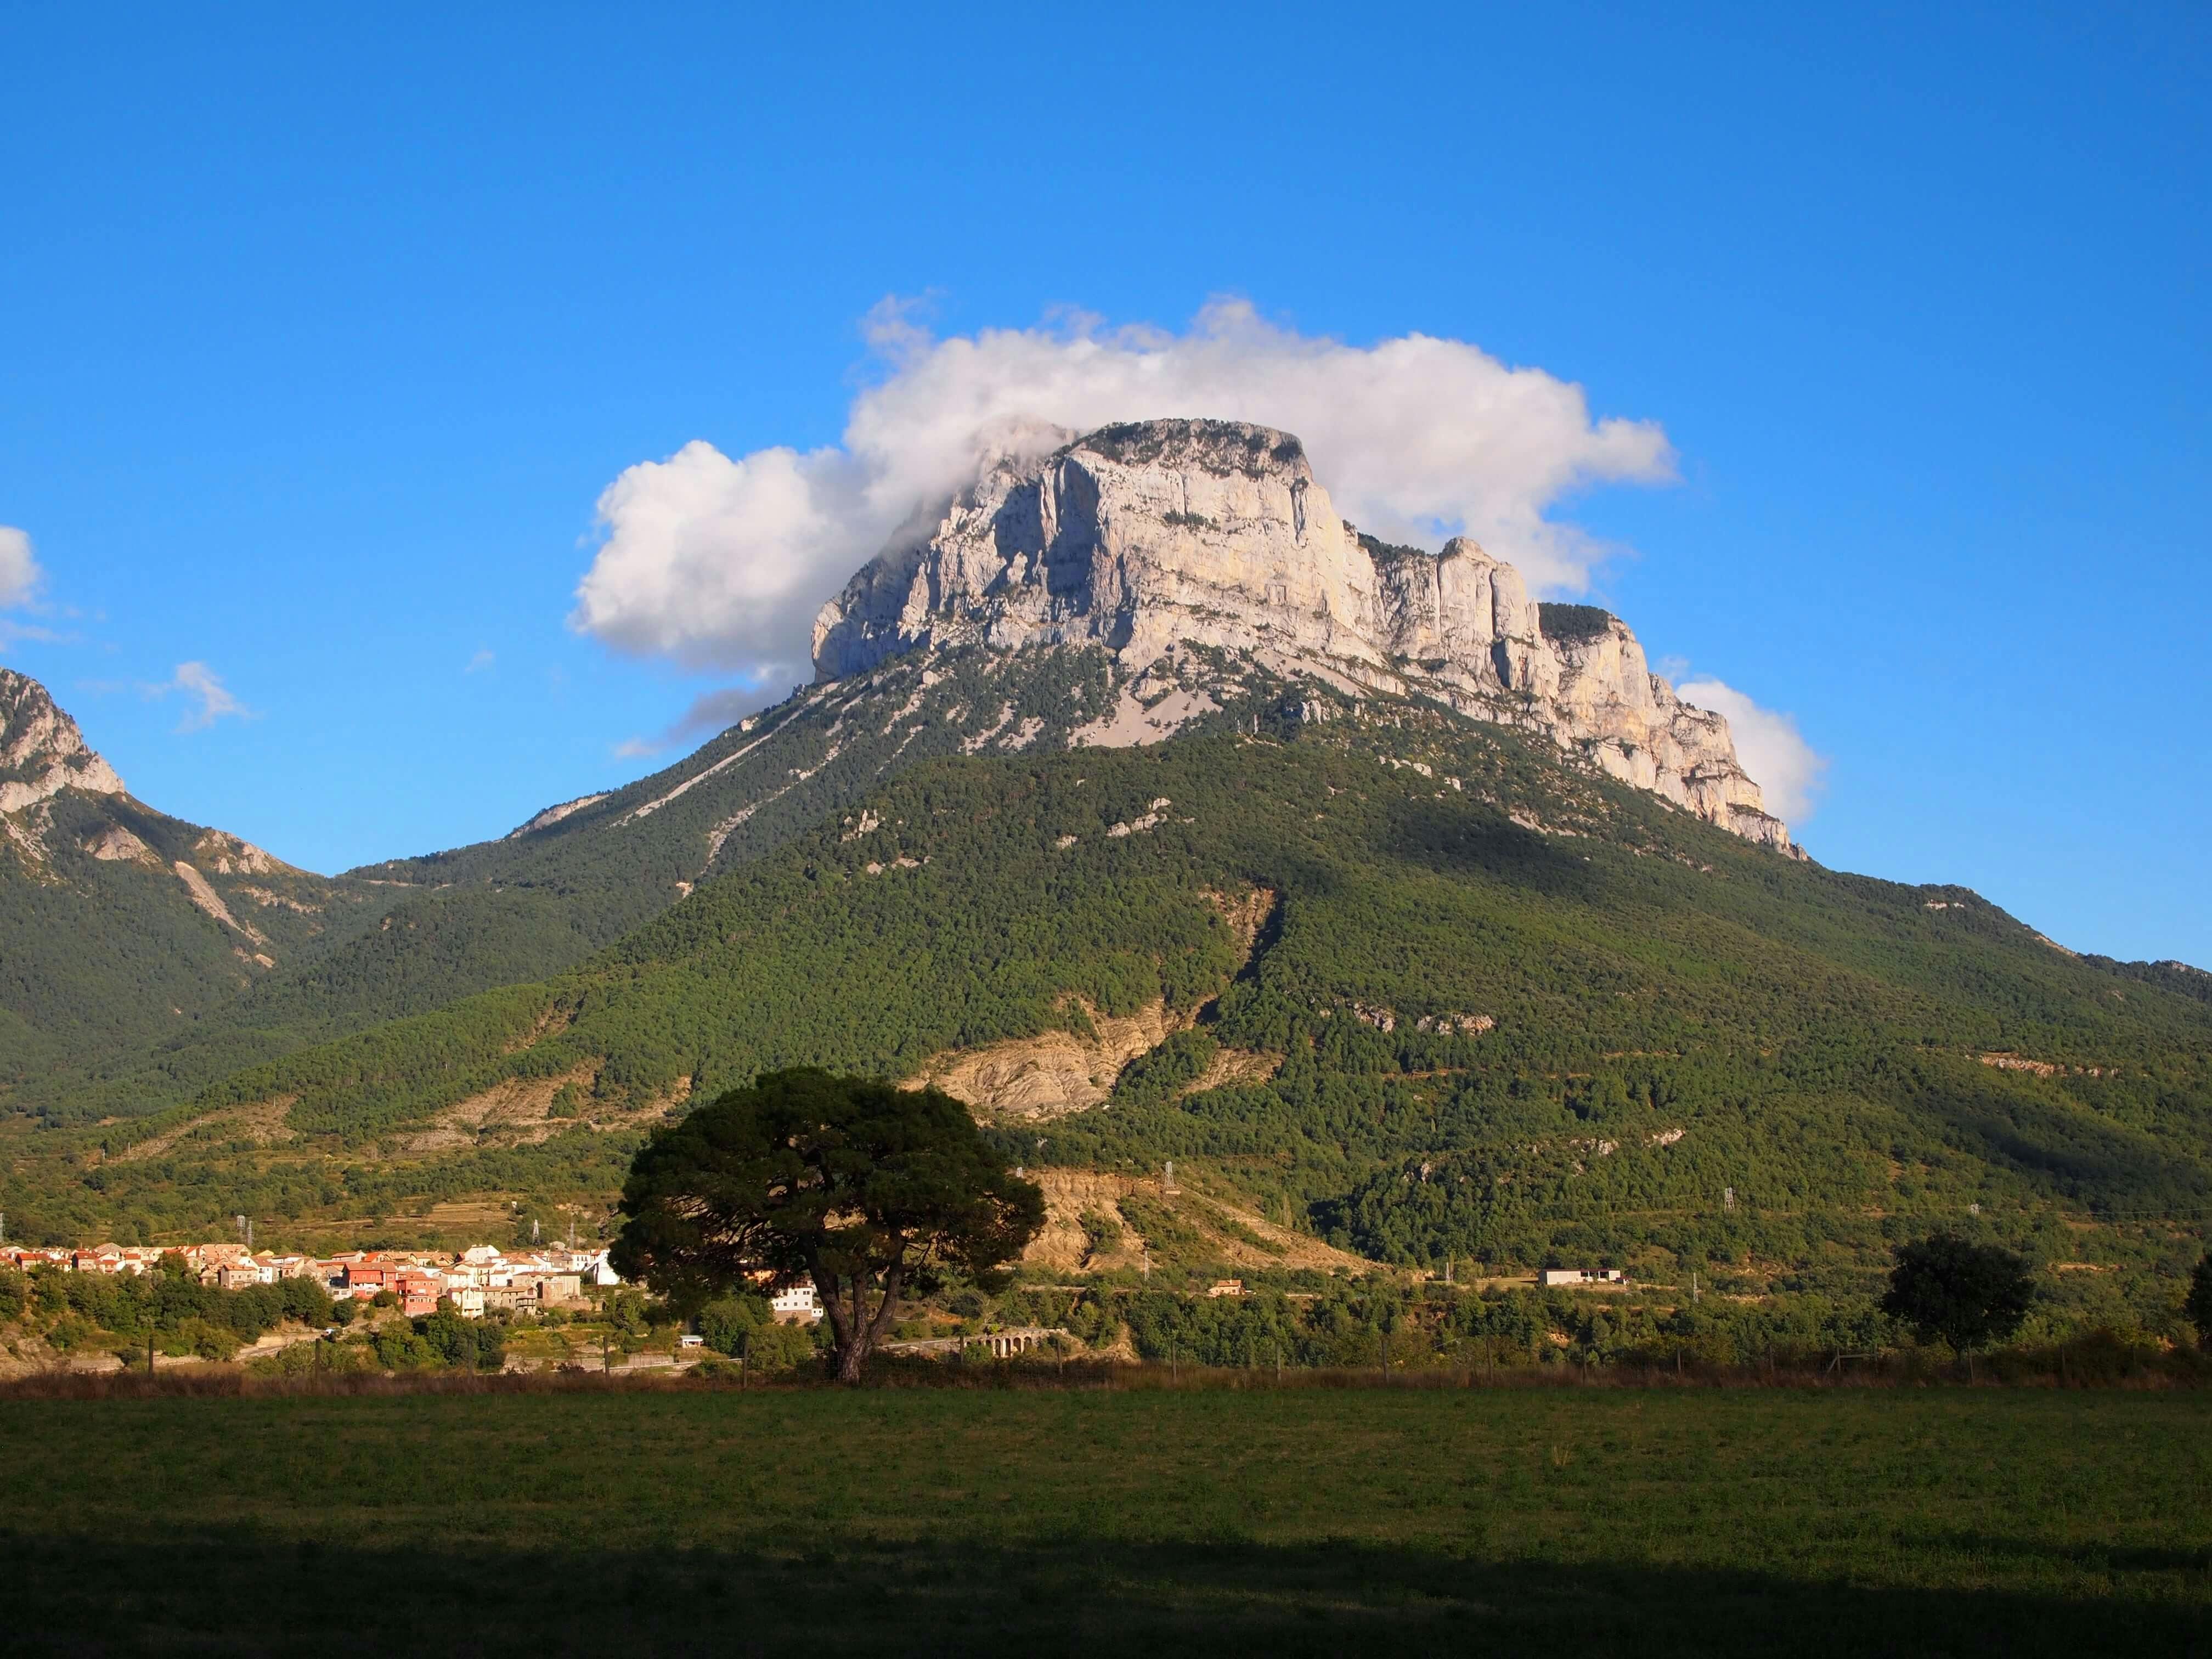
(41, 750)
(1151, 537)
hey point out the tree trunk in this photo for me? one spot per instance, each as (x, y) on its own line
(857, 1329)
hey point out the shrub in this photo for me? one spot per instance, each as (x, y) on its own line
(779, 1347)
(727, 1321)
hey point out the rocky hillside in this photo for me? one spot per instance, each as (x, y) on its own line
(122, 928)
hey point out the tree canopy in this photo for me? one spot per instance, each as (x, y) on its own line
(2198, 1305)
(862, 1189)
(1970, 1295)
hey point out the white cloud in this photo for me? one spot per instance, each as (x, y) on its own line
(721, 562)
(197, 680)
(20, 576)
(481, 661)
(1789, 773)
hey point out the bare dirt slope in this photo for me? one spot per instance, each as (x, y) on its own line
(261, 1121)
(1235, 1235)
(1032, 1078)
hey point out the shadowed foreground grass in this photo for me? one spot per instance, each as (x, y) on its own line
(1292, 1521)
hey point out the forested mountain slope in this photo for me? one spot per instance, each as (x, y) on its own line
(1493, 1005)
(117, 1010)
(121, 927)
(1129, 583)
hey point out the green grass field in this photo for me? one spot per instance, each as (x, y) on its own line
(1301, 1519)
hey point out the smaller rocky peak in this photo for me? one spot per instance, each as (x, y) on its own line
(42, 752)
(233, 855)
(555, 814)
(114, 844)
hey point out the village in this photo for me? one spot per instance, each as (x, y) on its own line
(481, 1281)
(477, 1281)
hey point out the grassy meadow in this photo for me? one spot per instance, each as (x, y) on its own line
(1290, 1520)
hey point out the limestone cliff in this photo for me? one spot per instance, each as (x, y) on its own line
(41, 750)
(1146, 537)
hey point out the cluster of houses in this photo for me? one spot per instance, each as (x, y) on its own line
(480, 1280)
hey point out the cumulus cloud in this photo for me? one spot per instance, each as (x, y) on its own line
(1789, 771)
(480, 662)
(20, 576)
(200, 684)
(722, 563)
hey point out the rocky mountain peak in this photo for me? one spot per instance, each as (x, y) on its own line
(41, 750)
(1149, 536)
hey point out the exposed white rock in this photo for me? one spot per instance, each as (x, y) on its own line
(1154, 816)
(41, 750)
(1455, 1024)
(1147, 537)
(209, 900)
(553, 815)
(116, 845)
(1131, 724)
(689, 783)
(233, 856)
(268, 901)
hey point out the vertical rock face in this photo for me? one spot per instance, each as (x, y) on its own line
(1140, 538)
(1134, 537)
(41, 750)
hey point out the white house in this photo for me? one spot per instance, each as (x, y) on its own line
(590, 1266)
(798, 1306)
(1549, 1276)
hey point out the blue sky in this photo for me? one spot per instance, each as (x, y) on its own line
(322, 332)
